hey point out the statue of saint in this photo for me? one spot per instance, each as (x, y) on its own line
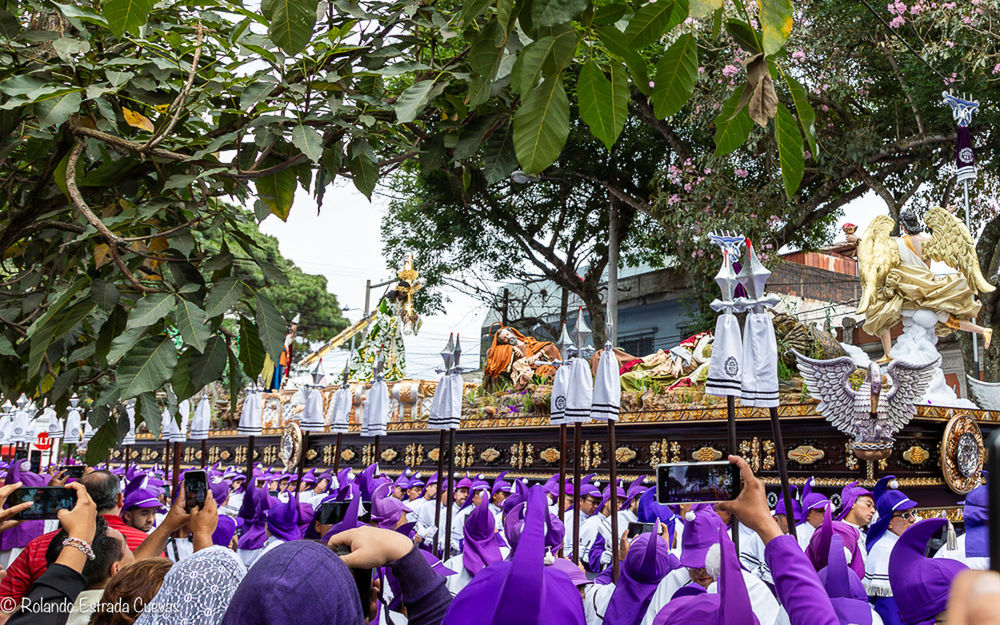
(896, 275)
(518, 356)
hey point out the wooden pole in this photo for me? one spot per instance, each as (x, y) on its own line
(577, 435)
(302, 461)
(166, 458)
(562, 475)
(204, 452)
(786, 491)
(440, 491)
(249, 470)
(378, 449)
(734, 526)
(175, 477)
(451, 493)
(336, 457)
(613, 474)
(128, 456)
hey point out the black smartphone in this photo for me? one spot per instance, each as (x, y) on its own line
(49, 500)
(74, 471)
(363, 581)
(332, 512)
(635, 528)
(195, 489)
(36, 461)
(697, 482)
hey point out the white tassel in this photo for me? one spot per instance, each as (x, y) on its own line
(894, 484)
(689, 515)
(952, 539)
(549, 559)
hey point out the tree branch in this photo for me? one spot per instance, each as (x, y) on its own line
(178, 103)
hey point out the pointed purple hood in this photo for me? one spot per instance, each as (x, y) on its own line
(386, 509)
(481, 546)
(818, 550)
(520, 591)
(846, 592)
(283, 519)
(647, 562)
(920, 585)
(699, 534)
(848, 496)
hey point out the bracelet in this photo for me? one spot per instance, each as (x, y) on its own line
(80, 544)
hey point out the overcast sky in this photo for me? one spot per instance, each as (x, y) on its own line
(343, 242)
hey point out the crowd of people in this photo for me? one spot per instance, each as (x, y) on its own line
(263, 550)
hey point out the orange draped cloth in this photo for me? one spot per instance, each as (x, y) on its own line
(500, 356)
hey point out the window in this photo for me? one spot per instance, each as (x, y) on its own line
(637, 344)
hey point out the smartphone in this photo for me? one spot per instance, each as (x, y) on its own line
(332, 512)
(74, 471)
(697, 482)
(49, 500)
(195, 489)
(363, 581)
(635, 528)
(36, 462)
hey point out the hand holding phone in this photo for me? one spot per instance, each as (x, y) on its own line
(332, 512)
(697, 482)
(195, 489)
(46, 502)
(74, 471)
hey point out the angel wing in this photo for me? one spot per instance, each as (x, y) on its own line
(909, 383)
(827, 381)
(877, 254)
(952, 244)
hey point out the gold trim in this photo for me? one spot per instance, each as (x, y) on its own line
(806, 454)
(916, 455)
(706, 454)
(959, 426)
(489, 455)
(625, 454)
(550, 455)
(389, 454)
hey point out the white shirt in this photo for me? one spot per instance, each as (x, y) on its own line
(462, 577)
(877, 566)
(978, 562)
(624, 518)
(595, 602)
(588, 534)
(178, 548)
(83, 607)
(803, 533)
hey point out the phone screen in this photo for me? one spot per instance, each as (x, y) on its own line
(74, 471)
(696, 482)
(362, 579)
(332, 512)
(195, 487)
(36, 461)
(49, 500)
(635, 528)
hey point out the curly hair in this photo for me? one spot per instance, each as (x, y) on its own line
(130, 590)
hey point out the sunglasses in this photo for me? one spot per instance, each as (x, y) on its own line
(906, 516)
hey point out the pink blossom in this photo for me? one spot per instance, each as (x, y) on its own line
(799, 55)
(730, 70)
(742, 173)
(949, 44)
(996, 68)
(897, 21)
(673, 199)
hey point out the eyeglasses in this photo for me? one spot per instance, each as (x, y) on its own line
(906, 516)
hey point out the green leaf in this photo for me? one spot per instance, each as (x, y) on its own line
(104, 294)
(292, 23)
(485, 55)
(277, 192)
(6, 347)
(191, 321)
(252, 354)
(790, 151)
(545, 57)
(676, 75)
(471, 9)
(805, 111)
(224, 294)
(545, 13)
(744, 36)
(235, 381)
(603, 102)
(112, 327)
(55, 327)
(731, 127)
(365, 173)
(180, 380)
(541, 125)
(609, 14)
(499, 158)
(208, 366)
(148, 412)
(619, 46)
(105, 438)
(147, 366)
(55, 111)
(776, 22)
(412, 101)
(652, 20)
(702, 8)
(271, 327)
(308, 141)
(126, 16)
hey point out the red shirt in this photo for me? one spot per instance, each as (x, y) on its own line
(30, 563)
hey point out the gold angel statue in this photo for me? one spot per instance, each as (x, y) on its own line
(896, 274)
